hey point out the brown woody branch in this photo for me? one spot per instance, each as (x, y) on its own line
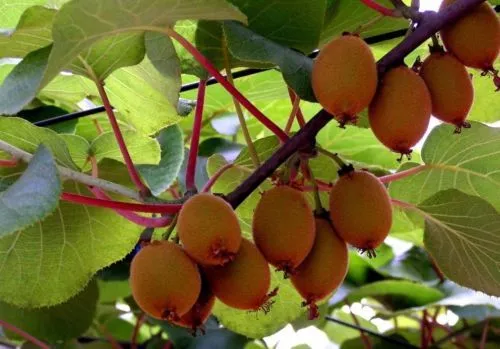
(429, 24)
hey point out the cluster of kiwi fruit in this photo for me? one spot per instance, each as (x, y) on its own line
(179, 283)
(400, 103)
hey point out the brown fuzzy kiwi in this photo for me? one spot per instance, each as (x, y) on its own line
(244, 282)
(344, 77)
(283, 227)
(475, 38)
(361, 210)
(209, 229)
(401, 110)
(324, 269)
(165, 282)
(450, 87)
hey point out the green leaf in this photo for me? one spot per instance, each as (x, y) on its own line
(109, 54)
(81, 23)
(160, 177)
(287, 307)
(486, 101)
(347, 15)
(12, 10)
(468, 162)
(32, 32)
(22, 134)
(33, 196)
(50, 262)
(462, 235)
(142, 149)
(149, 89)
(78, 148)
(68, 90)
(87, 129)
(412, 265)
(64, 321)
(285, 22)
(264, 147)
(21, 85)
(161, 53)
(404, 228)
(358, 144)
(413, 294)
(296, 68)
(111, 291)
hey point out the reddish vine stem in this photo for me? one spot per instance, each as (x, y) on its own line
(118, 205)
(133, 340)
(300, 117)
(379, 8)
(484, 335)
(230, 88)
(429, 24)
(133, 217)
(9, 163)
(215, 177)
(24, 335)
(402, 174)
(195, 137)
(293, 115)
(134, 175)
(424, 338)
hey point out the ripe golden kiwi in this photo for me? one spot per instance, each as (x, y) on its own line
(361, 210)
(209, 229)
(344, 77)
(400, 112)
(475, 38)
(324, 269)
(450, 87)
(283, 227)
(165, 282)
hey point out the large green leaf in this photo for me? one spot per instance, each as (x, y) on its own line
(468, 161)
(296, 68)
(486, 102)
(287, 22)
(63, 321)
(462, 233)
(22, 134)
(142, 149)
(12, 10)
(414, 294)
(32, 32)
(109, 54)
(33, 196)
(160, 177)
(347, 15)
(78, 148)
(21, 85)
(81, 23)
(359, 145)
(50, 262)
(144, 99)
